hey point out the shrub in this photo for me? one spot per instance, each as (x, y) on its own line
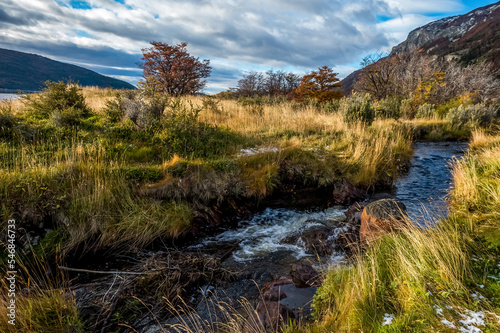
(63, 103)
(425, 111)
(184, 134)
(408, 109)
(443, 109)
(358, 108)
(114, 110)
(471, 115)
(144, 112)
(330, 107)
(212, 105)
(389, 107)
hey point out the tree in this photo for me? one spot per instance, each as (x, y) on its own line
(377, 77)
(173, 70)
(271, 83)
(322, 85)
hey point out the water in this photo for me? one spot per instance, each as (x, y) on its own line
(260, 239)
(264, 233)
(8, 96)
(425, 187)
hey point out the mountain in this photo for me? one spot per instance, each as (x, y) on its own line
(468, 38)
(28, 72)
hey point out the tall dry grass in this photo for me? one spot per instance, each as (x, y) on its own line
(396, 276)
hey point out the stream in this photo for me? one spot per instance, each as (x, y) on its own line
(265, 246)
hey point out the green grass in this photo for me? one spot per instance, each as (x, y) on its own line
(411, 273)
(84, 177)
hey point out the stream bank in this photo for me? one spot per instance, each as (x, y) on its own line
(259, 254)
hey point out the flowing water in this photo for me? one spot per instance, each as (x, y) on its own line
(258, 248)
(423, 189)
(265, 232)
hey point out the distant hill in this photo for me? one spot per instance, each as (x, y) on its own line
(468, 38)
(28, 72)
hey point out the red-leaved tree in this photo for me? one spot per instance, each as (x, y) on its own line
(322, 85)
(173, 70)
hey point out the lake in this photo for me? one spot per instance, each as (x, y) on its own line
(8, 96)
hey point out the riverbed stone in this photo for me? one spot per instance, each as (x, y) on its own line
(381, 217)
(273, 295)
(272, 315)
(316, 240)
(304, 276)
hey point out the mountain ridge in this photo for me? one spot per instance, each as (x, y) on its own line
(469, 38)
(28, 72)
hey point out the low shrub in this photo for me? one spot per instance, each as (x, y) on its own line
(389, 107)
(408, 108)
(471, 115)
(358, 108)
(63, 103)
(425, 111)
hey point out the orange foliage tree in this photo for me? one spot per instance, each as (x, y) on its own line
(321, 85)
(173, 70)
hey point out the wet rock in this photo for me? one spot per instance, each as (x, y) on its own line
(283, 280)
(272, 315)
(273, 295)
(348, 236)
(304, 276)
(381, 217)
(315, 240)
(318, 240)
(347, 193)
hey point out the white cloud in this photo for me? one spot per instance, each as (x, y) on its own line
(296, 34)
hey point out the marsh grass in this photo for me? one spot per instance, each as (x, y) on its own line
(111, 185)
(43, 301)
(411, 274)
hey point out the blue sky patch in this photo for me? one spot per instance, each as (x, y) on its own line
(80, 4)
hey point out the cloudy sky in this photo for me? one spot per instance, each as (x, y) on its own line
(237, 36)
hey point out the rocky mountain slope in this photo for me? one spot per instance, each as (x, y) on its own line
(28, 72)
(468, 38)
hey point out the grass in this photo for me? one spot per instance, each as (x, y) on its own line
(104, 184)
(43, 302)
(93, 179)
(417, 273)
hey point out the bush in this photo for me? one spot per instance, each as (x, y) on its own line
(425, 111)
(408, 109)
(471, 115)
(182, 133)
(144, 112)
(114, 110)
(63, 103)
(389, 107)
(330, 107)
(358, 108)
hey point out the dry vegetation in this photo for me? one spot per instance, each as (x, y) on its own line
(427, 279)
(111, 175)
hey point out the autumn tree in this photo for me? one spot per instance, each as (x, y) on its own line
(321, 85)
(173, 70)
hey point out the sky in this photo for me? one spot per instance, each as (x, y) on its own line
(238, 36)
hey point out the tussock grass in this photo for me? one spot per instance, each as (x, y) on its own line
(413, 273)
(43, 302)
(396, 275)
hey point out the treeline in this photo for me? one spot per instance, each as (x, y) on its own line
(427, 79)
(270, 83)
